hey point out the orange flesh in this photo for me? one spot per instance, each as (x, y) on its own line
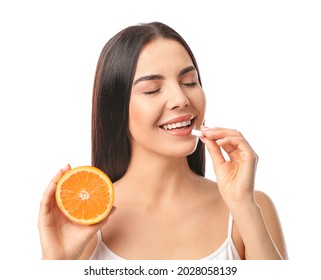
(85, 197)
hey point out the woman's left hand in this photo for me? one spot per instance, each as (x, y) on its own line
(235, 176)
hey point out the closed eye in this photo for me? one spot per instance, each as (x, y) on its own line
(189, 84)
(152, 91)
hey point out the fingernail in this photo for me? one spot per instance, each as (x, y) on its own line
(204, 128)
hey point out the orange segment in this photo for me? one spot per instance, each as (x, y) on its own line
(85, 195)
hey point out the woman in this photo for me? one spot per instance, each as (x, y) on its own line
(147, 98)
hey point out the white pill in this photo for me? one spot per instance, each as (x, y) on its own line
(197, 133)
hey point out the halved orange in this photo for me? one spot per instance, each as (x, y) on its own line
(85, 195)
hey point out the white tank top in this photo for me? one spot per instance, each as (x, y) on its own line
(227, 251)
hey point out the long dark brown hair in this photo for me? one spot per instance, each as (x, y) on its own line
(115, 71)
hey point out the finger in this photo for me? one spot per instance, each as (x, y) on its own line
(230, 144)
(47, 199)
(237, 149)
(219, 133)
(66, 168)
(56, 178)
(214, 151)
(61, 172)
(231, 140)
(52, 185)
(50, 191)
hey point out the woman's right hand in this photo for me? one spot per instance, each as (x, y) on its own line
(60, 238)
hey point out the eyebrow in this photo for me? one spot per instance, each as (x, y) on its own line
(186, 70)
(160, 77)
(149, 78)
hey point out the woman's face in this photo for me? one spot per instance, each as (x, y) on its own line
(166, 102)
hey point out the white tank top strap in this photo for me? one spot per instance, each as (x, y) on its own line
(99, 236)
(230, 227)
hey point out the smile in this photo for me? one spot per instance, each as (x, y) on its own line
(177, 125)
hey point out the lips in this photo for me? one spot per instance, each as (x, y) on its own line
(178, 122)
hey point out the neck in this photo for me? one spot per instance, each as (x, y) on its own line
(157, 178)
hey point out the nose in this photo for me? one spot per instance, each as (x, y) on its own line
(177, 98)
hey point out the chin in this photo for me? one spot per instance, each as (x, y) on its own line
(182, 150)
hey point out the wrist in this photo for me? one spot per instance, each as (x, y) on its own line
(244, 209)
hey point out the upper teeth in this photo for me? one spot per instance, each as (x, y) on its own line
(177, 125)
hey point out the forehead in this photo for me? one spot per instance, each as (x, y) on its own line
(162, 55)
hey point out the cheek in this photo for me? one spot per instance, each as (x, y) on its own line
(142, 116)
(199, 103)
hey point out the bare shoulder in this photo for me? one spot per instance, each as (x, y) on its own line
(272, 221)
(264, 201)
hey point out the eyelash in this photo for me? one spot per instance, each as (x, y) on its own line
(190, 84)
(157, 90)
(152, 92)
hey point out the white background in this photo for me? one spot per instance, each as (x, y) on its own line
(260, 64)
